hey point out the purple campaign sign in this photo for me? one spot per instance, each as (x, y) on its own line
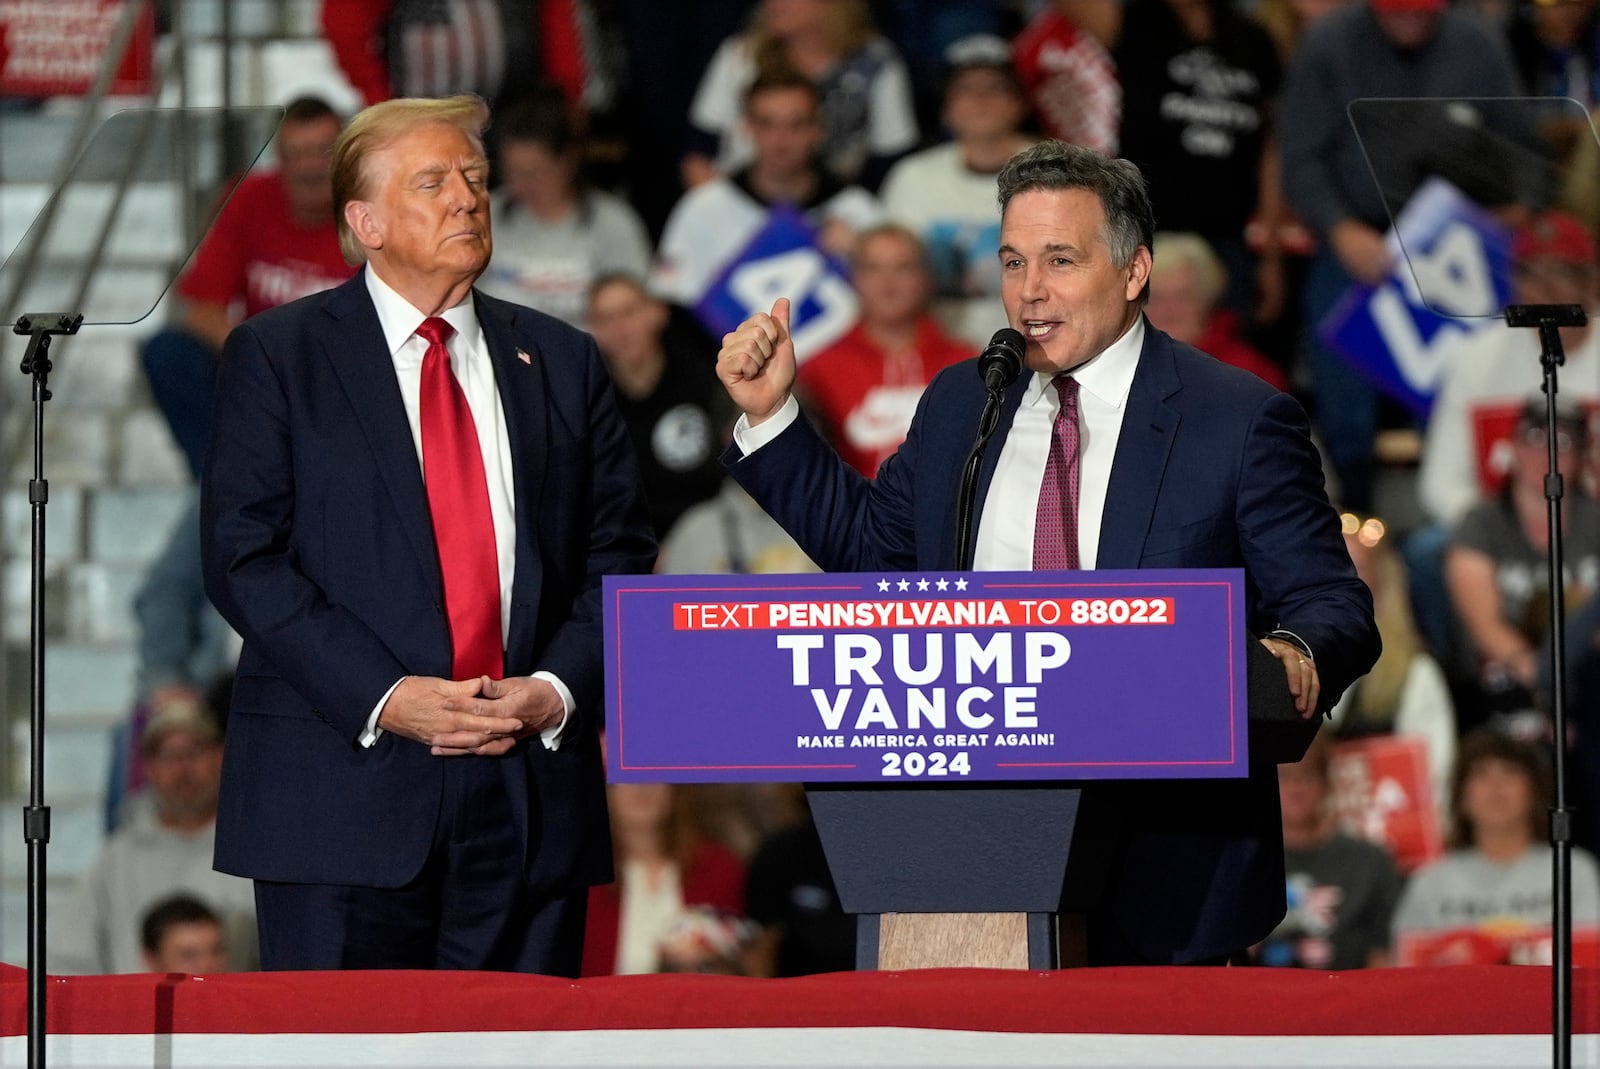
(925, 676)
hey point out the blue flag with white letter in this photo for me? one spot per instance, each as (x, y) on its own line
(1452, 277)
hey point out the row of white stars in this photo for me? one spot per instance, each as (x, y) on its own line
(921, 584)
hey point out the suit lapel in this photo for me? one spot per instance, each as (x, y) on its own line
(1148, 428)
(519, 377)
(354, 346)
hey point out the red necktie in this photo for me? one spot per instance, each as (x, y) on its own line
(458, 498)
(1055, 531)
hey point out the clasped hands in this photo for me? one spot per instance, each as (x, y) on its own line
(471, 716)
(757, 364)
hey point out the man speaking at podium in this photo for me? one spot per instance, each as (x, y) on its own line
(412, 493)
(1122, 448)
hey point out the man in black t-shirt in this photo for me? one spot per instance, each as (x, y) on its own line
(1199, 85)
(667, 392)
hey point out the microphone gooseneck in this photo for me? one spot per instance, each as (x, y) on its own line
(998, 365)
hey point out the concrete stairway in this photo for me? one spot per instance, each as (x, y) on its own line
(117, 481)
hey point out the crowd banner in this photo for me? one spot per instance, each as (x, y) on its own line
(57, 48)
(1503, 942)
(1383, 792)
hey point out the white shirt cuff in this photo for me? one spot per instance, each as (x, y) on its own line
(749, 438)
(551, 736)
(372, 732)
(1283, 634)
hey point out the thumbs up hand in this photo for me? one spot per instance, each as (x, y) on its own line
(757, 363)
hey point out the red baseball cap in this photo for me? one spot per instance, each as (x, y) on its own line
(1554, 235)
(1409, 5)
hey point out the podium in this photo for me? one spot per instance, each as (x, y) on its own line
(994, 875)
(951, 845)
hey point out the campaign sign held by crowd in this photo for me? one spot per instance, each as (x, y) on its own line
(926, 676)
(1452, 276)
(1382, 793)
(784, 259)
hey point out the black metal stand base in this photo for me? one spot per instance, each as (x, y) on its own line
(39, 328)
(1549, 319)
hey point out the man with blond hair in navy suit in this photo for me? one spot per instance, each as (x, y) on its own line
(411, 495)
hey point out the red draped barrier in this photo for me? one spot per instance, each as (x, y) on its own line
(1488, 1001)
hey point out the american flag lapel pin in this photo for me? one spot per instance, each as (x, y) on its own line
(522, 354)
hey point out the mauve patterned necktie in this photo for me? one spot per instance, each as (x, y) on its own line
(1055, 531)
(463, 526)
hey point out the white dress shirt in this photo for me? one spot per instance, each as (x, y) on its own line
(469, 359)
(1011, 508)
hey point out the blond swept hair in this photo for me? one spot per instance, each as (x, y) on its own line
(378, 127)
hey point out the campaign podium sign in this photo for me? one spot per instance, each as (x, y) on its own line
(930, 676)
(946, 724)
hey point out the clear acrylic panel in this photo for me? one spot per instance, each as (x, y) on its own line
(124, 194)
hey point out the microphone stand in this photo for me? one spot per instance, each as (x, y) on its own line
(40, 328)
(967, 500)
(1548, 319)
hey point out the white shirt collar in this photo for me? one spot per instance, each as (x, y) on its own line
(400, 318)
(1108, 376)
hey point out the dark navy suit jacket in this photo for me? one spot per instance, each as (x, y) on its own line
(319, 550)
(1213, 469)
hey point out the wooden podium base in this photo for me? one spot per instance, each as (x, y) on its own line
(953, 940)
(967, 940)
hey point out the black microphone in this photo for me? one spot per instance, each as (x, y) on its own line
(998, 366)
(1001, 363)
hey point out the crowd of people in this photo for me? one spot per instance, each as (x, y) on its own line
(844, 153)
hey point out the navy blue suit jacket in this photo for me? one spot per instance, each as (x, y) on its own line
(1213, 469)
(319, 550)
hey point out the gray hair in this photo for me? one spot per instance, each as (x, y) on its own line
(1051, 165)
